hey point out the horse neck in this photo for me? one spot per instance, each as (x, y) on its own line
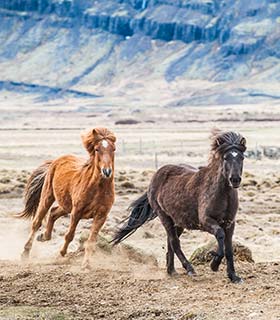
(216, 182)
(93, 175)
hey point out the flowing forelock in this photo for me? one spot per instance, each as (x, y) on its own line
(92, 137)
(224, 141)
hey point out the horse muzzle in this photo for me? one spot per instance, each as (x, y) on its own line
(235, 181)
(106, 172)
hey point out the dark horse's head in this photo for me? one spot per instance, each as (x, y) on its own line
(100, 143)
(229, 148)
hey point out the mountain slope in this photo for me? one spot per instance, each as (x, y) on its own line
(188, 52)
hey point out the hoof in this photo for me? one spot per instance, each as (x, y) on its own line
(191, 273)
(41, 237)
(215, 263)
(59, 260)
(86, 266)
(236, 279)
(62, 253)
(214, 266)
(25, 255)
(172, 272)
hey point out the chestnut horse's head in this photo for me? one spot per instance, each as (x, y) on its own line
(100, 143)
(229, 147)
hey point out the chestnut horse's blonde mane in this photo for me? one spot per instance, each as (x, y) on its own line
(91, 137)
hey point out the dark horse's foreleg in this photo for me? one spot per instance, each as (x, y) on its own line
(174, 242)
(210, 225)
(170, 253)
(229, 255)
(218, 257)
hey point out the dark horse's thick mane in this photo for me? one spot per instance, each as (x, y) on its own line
(223, 141)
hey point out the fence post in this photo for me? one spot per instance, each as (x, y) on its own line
(156, 160)
(140, 146)
(123, 146)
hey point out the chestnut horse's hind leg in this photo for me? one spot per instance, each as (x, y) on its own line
(170, 253)
(175, 242)
(97, 224)
(55, 213)
(44, 205)
(69, 236)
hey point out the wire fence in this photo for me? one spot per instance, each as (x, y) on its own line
(159, 152)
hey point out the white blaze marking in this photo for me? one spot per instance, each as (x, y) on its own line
(234, 154)
(104, 143)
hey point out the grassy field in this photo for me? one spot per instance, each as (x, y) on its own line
(132, 286)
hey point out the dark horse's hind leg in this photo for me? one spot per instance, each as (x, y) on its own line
(229, 255)
(170, 253)
(175, 242)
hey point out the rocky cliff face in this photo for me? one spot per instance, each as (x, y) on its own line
(92, 45)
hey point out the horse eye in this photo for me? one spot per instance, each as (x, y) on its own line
(96, 149)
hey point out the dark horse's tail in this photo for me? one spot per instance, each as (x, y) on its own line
(141, 212)
(33, 191)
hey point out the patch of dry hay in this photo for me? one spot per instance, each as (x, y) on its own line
(203, 255)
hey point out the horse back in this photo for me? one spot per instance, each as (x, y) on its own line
(172, 173)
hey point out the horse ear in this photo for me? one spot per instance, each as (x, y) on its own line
(243, 141)
(112, 138)
(94, 132)
(219, 142)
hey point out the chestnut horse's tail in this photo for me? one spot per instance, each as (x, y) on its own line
(141, 212)
(33, 191)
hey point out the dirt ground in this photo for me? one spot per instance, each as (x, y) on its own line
(129, 282)
(136, 291)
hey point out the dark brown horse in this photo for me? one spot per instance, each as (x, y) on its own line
(82, 187)
(205, 199)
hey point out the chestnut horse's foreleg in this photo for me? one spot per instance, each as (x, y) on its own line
(229, 255)
(90, 244)
(44, 205)
(170, 253)
(69, 236)
(211, 225)
(175, 242)
(55, 213)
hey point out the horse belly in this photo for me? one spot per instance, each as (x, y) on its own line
(63, 198)
(192, 222)
(188, 220)
(65, 202)
(88, 214)
(181, 209)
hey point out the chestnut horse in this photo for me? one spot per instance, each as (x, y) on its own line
(203, 199)
(83, 188)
